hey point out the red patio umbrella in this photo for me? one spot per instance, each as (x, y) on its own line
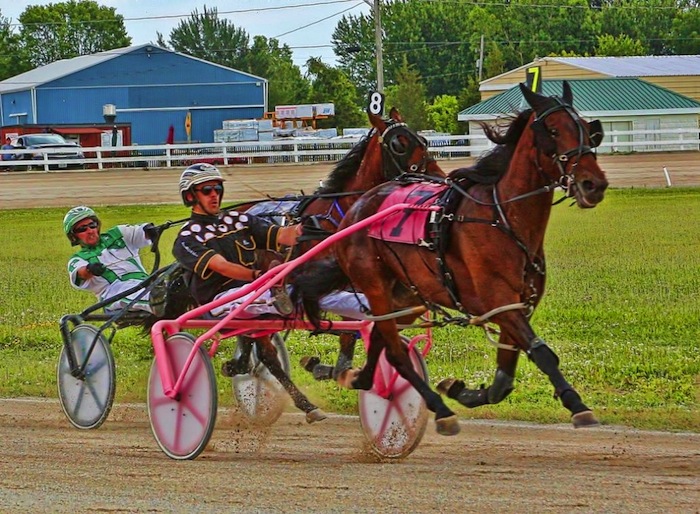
(171, 135)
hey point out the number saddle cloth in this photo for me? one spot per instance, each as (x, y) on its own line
(411, 226)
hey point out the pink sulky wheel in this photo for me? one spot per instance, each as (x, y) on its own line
(394, 423)
(182, 427)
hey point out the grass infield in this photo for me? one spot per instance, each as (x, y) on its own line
(621, 310)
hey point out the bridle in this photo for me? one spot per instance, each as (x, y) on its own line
(398, 154)
(562, 159)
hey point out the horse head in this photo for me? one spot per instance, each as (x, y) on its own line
(402, 149)
(568, 141)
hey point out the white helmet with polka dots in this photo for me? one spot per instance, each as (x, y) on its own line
(197, 174)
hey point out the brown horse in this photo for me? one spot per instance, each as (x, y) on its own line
(389, 150)
(485, 256)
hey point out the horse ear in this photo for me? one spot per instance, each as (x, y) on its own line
(537, 102)
(595, 132)
(395, 115)
(567, 95)
(377, 122)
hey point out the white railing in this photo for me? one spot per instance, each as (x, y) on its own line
(305, 150)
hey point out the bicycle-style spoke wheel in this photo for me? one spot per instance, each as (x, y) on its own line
(260, 397)
(182, 426)
(394, 423)
(86, 399)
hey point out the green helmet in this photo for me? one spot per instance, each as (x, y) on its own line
(75, 215)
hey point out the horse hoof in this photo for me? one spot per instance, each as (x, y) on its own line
(346, 377)
(309, 362)
(445, 385)
(315, 415)
(448, 425)
(584, 419)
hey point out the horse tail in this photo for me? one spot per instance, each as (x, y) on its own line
(312, 282)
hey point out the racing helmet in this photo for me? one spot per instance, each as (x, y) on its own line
(197, 174)
(75, 215)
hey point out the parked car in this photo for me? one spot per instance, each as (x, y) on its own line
(37, 142)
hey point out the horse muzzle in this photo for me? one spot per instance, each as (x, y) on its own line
(588, 191)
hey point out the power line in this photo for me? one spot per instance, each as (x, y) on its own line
(510, 5)
(177, 16)
(318, 21)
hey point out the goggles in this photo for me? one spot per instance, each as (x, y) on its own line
(84, 228)
(206, 190)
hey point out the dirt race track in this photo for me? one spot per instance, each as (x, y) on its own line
(295, 467)
(48, 466)
(131, 186)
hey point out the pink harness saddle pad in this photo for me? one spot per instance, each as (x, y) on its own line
(407, 226)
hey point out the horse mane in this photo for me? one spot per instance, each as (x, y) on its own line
(491, 166)
(345, 169)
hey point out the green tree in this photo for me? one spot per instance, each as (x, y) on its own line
(69, 29)
(353, 45)
(619, 46)
(268, 60)
(533, 28)
(442, 114)
(470, 95)
(432, 36)
(12, 57)
(332, 85)
(409, 97)
(647, 21)
(685, 32)
(206, 36)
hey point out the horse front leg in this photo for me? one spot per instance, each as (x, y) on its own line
(507, 354)
(548, 362)
(385, 336)
(517, 326)
(268, 356)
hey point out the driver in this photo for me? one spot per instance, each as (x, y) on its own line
(219, 249)
(107, 263)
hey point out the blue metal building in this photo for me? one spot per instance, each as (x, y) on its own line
(151, 87)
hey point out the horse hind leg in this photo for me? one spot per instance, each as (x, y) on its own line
(548, 362)
(496, 392)
(499, 389)
(268, 356)
(321, 371)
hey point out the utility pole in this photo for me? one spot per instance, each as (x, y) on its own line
(378, 43)
(481, 56)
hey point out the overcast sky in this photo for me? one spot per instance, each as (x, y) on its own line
(305, 25)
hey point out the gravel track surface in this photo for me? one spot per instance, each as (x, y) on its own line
(48, 466)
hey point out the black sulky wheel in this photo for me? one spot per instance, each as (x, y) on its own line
(260, 397)
(87, 399)
(394, 421)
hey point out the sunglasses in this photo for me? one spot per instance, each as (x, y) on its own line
(84, 228)
(206, 190)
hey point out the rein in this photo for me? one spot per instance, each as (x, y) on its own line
(440, 221)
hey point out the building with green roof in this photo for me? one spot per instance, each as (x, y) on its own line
(636, 115)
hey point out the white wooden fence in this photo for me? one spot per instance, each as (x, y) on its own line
(304, 150)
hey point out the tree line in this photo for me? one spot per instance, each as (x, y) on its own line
(434, 53)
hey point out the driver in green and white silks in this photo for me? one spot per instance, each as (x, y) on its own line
(107, 263)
